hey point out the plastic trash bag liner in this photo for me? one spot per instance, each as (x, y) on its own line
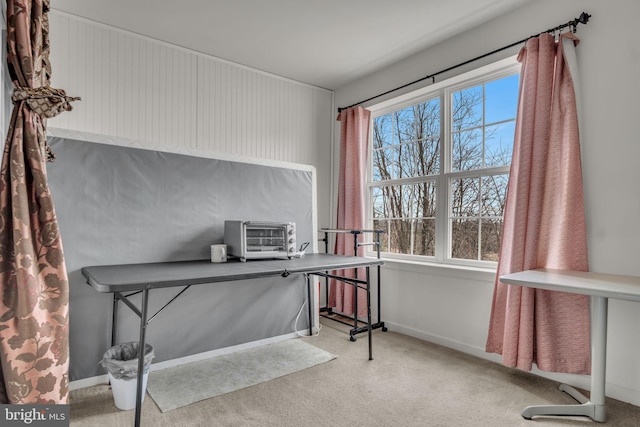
(122, 360)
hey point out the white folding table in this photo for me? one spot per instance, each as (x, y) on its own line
(600, 287)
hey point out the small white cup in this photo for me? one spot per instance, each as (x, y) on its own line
(218, 253)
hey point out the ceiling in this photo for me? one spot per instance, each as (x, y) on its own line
(326, 43)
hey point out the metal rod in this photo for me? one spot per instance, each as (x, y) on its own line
(355, 288)
(583, 19)
(352, 332)
(133, 293)
(326, 279)
(141, 351)
(165, 306)
(367, 244)
(369, 313)
(348, 280)
(308, 279)
(599, 351)
(129, 304)
(341, 231)
(114, 320)
(378, 273)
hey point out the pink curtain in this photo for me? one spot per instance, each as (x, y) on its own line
(354, 141)
(544, 223)
(33, 279)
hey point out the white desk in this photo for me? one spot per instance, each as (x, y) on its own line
(600, 287)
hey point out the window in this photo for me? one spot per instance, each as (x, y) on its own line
(439, 167)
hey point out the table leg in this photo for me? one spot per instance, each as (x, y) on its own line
(309, 311)
(141, 352)
(599, 356)
(594, 407)
(369, 326)
(114, 320)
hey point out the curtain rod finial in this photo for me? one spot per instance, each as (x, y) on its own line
(584, 18)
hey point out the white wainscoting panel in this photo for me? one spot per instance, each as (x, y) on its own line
(147, 90)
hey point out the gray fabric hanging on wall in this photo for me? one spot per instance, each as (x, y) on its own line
(123, 205)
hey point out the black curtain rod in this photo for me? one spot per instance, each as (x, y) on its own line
(583, 19)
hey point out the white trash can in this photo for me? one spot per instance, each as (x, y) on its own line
(124, 391)
(121, 362)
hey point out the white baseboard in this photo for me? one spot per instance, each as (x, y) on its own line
(104, 379)
(445, 342)
(88, 382)
(613, 391)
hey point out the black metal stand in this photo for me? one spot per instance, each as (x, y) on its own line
(326, 311)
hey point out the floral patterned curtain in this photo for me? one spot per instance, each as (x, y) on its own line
(34, 287)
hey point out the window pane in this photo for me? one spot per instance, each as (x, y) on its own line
(499, 144)
(501, 99)
(464, 197)
(407, 201)
(466, 152)
(429, 157)
(378, 203)
(491, 237)
(426, 200)
(419, 158)
(429, 119)
(406, 143)
(401, 169)
(464, 239)
(424, 241)
(385, 165)
(384, 155)
(382, 132)
(408, 156)
(399, 201)
(410, 210)
(428, 137)
(494, 191)
(466, 107)
(420, 121)
(400, 236)
(404, 121)
(384, 237)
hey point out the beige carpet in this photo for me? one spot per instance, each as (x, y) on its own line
(409, 383)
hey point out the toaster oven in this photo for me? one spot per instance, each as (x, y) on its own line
(260, 239)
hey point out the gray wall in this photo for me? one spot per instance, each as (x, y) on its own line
(124, 205)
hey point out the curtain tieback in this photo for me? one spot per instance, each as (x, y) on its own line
(45, 101)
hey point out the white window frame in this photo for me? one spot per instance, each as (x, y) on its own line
(443, 91)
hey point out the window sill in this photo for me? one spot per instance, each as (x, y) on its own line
(439, 269)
